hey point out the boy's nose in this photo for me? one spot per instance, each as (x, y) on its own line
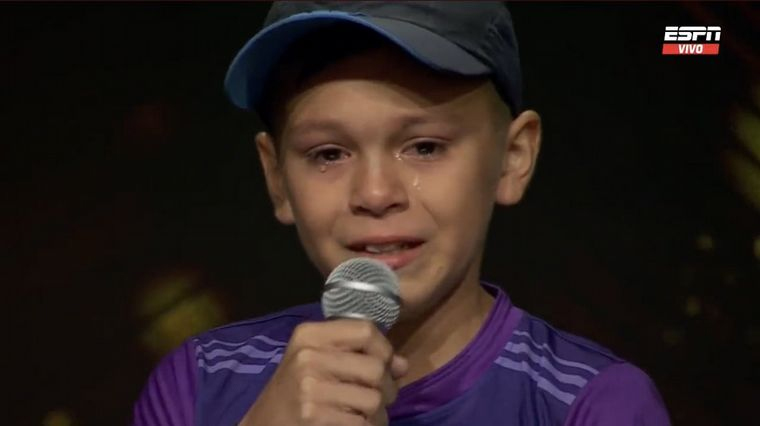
(378, 189)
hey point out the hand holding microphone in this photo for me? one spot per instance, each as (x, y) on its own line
(343, 371)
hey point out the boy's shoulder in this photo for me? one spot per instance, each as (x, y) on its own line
(235, 361)
(536, 336)
(582, 382)
(212, 378)
(274, 329)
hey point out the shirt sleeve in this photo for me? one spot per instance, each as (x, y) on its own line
(168, 398)
(620, 395)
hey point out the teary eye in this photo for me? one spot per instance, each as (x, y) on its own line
(328, 155)
(425, 149)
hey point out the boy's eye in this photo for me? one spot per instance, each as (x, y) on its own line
(425, 149)
(325, 156)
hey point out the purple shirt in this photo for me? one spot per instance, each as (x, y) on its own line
(518, 370)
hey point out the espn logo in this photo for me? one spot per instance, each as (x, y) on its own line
(694, 35)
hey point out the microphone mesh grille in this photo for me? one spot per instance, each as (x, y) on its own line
(376, 300)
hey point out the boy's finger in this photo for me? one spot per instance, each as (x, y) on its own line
(345, 334)
(399, 367)
(349, 397)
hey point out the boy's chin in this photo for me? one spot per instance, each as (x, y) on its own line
(418, 299)
(415, 311)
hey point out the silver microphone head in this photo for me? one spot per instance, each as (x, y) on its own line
(363, 288)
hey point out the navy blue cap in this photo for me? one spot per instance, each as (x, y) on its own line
(468, 38)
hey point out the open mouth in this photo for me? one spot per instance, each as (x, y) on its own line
(395, 253)
(385, 248)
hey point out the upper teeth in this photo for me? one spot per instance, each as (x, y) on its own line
(384, 248)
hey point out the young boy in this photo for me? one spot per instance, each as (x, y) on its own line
(392, 131)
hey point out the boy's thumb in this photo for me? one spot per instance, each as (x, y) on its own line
(399, 366)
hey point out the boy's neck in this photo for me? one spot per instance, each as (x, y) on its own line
(433, 340)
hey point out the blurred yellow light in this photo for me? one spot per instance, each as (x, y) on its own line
(693, 306)
(705, 242)
(742, 162)
(57, 418)
(671, 336)
(745, 176)
(187, 317)
(165, 290)
(174, 306)
(747, 131)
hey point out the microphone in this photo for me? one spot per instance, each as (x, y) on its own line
(363, 288)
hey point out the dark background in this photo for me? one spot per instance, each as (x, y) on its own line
(134, 213)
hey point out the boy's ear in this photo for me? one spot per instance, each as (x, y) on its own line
(274, 178)
(519, 162)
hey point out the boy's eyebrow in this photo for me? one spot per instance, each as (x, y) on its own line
(334, 125)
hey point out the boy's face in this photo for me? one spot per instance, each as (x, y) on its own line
(377, 156)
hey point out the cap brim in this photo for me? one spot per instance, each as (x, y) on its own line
(248, 74)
